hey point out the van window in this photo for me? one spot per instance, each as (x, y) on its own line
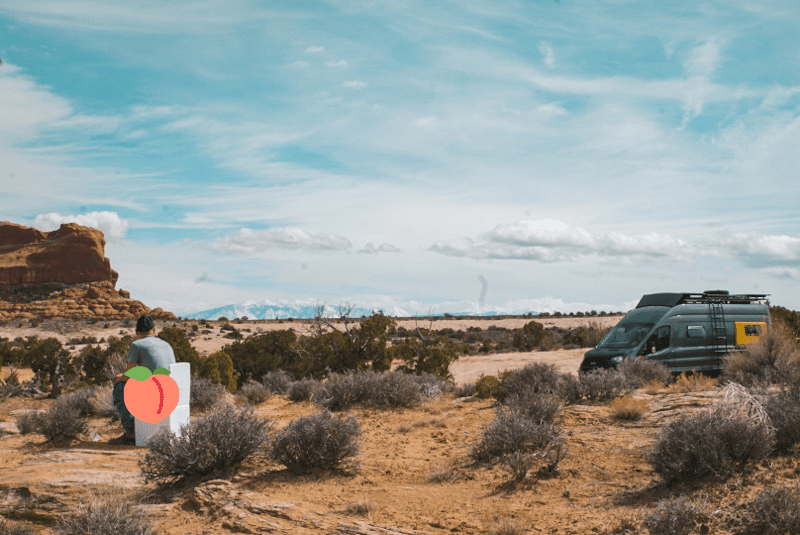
(752, 330)
(696, 331)
(626, 335)
(658, 340)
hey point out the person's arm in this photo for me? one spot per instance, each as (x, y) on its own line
(122, 377)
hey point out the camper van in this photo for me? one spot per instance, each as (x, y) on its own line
(684, 331)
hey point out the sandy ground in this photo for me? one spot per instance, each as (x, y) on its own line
(415, 473)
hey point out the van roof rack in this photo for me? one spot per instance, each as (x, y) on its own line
(709, 296)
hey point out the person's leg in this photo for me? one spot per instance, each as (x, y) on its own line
(124, 414)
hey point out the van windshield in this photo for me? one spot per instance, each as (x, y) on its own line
(626, 335)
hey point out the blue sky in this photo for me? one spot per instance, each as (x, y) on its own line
(572, 154)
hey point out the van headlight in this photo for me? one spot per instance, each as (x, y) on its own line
(616, 360)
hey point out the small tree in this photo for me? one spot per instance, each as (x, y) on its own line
(263, 353)
(51, 364)
(427, 352)
(218, 368)
(531, 335)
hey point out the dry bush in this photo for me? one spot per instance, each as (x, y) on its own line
(317, 442)
(696, 382)
(217, 442)
(487, 387)
(81, 399)
(374, 389)
(712, 442)
(774, 511)
(102, 402)
(63, 420)
(106, 512)
(508, 527)
(628, 408)
(253, 392)
(116, 364)
(511, 432)
(603, 385)
(359, 508)
(28, 421)
(784, 412)
(676, 516)
(277, 381)
(13, 528)
(536, 406)
(643, 370)
(775, 359)
(203, 394)
(539, 377)
(303, 390)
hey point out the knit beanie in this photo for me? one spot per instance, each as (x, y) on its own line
(144, 324)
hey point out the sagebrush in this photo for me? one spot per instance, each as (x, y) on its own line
(105, 512)
(317, 442)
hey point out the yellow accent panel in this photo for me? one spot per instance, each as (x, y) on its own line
(746, 333)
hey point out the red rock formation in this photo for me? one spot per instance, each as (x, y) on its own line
(61, 274)
(71, 254)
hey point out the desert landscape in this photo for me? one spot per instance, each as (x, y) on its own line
(415, 472)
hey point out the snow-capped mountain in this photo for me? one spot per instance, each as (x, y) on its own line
(268, 310)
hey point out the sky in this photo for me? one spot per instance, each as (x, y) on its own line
(449, 156)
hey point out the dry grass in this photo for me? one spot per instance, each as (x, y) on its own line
(628, 408)
(692, 383)
(654, 386)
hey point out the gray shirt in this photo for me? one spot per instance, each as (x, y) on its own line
(151, 352)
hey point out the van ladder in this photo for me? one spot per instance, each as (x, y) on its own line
(719, 335)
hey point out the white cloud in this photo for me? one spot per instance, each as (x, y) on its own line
(336, 64)
(548, 53)
(382, 248)
(758, 250)
(552, 109)
(300, 64)
(250, 241)
(315, 49)
(355, 84)
(703, 60)
(550, 240)
(110, 224)
(783, 273)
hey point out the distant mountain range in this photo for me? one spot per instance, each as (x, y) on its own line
(304, 310)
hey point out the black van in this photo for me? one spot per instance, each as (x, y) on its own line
(684, 331)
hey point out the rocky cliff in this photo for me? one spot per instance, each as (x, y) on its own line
(61, 274)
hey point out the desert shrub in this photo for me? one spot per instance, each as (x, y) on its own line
(692, 383)
(784, 412)
(102, 401)
(583, 336)
(81, 399)
(63, 420)
(512, 432)
(52, 364)
(707, 443)
(508, 527)
(775, 359)
(774, 511)
(653, 386)
(320, 441)
(359, 508)
(254, 392)
(538, 377)
(203, 394)
(28, 422)
(116, 364)
(487, 386)
(677, 516)
(426, 352)
(644, 370)
(91, 362)
(258, 355)
(277, 381)
(218, 367)
(373, 389)
(465, 390)
(627, 408)
(604, 384)
(538, 407)
(304, 390)
(105, 513)
(217, 442)
(529, 337)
